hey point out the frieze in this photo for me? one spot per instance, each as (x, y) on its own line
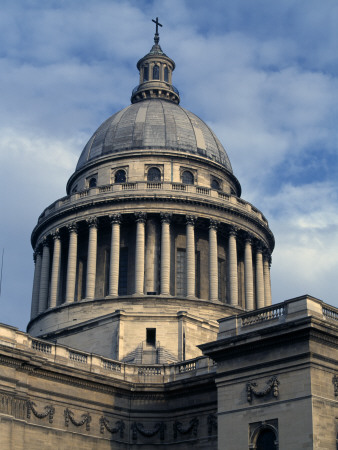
(191, 428)
(69, 417)
(119, 426)
(49, 411)
(137, 427)
(272, 385)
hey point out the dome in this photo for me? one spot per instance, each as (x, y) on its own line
(154, 124)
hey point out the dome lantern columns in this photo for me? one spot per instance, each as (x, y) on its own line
(154, 271)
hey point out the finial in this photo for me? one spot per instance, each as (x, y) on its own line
(157, 36)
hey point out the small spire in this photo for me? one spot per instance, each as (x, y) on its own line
(157, 36)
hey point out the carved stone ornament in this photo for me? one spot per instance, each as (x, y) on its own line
(115, 218)
(212, 423)
(140, 217)
(49, 411)
(213, 224)
(159, 427)
(56, 234)
(92, 222)
(335, 384)
(272, 385)
(192, 427)
(72, 227)
(85, 419)
(233, 231)
(119, 426)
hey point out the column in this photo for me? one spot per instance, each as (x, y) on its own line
(91, 259)
(233, 271)
(259, 277)
(54, 285)
(213, 261)
(165, 254)
(114, 268)
(190, 255)
(139, 253)
(152, 263)
(248, 275)
(71, 267)
(36, 282)
(267, 280)
(44, 280)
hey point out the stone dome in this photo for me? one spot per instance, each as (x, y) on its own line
(154, 124)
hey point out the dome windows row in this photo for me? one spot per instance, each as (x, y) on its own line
(155, 71)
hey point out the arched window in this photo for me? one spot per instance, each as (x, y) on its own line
(187, 177)
(146, 73)
(166, 74)
(156, 72)
(266, 440)
(215, 184)
(120, 176)
(92, 182)
(154, 174)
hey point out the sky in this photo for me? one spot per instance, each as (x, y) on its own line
(262, 74)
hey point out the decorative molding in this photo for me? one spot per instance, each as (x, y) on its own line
(119, 426)
(335, 384)
(212, 423)
(69, 416)
(272, 384)
(192, 427)
(49, 411)
(159, 427)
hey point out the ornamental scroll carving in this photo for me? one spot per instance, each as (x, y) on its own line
(49, 411)
(272, 385)
(335, 384)
(139, 428)
(192, 427)
(212, 423)
(69, 417)
(119, 426)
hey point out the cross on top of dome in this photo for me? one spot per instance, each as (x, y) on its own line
(157, 36)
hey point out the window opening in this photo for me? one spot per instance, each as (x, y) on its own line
(266, 440)
(92, 182)
(215, 184)
(154, 174)
(187, 177)
(151, 336)
(120, 176)
(145, 73)
(123, 274)
(156, 72)
(166, 74)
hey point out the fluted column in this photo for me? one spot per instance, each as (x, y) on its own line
(190, 255)
(72, 260)
(54, 285)
(44, 280)
(233, 272)
(114, 268)
(165, 254)
(36, 282)
(213, 261)
(267, 280)
(259, 277)
(248, 275)
(139, 253)
(91, 259)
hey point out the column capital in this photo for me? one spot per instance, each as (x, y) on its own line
(259, 247)
(45, 241)
(140, 217)
(166, 217)
(248, 237)
(72, 227)
(92, 222)
(190, 220)
(213, 224)
(233, 231)
(115, 218)
(37, 251)
(56, 234)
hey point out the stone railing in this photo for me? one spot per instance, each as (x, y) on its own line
(144, 186)
(70, 358)
(293, 309)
